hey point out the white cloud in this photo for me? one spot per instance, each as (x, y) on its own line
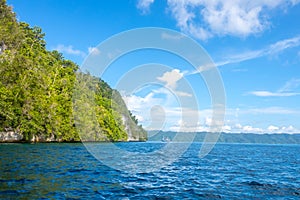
(282, 45)
(157, 111)
(183, 94)
(156, 108)
(240, 70)
(179, 128)
(290, 85)
(269, 110)
(137, 103)
(171, 78)
(267, 124)
(238, 126)
(274, 48)
(289, 129)
(233, 18)
(226, 129)
(250, 129)
(287, 90)
(94, 50)
(205, 18)
(69, 50)
(272, 128)
(208, 121)
(284, 129)
(144, 5)
(154, 113)
(168, 36)
(273, 94)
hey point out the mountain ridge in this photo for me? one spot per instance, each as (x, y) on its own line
(267, 138)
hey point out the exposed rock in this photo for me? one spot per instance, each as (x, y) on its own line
(2, 47)
(10, 136)
(134, 132)
(42, 138)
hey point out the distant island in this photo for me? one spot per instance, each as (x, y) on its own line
(266, 138)
(37, 90)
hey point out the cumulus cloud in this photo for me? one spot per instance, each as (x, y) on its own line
(272, 128)
(139, 104)
(171, 78)
(289, 129)
(282, 129)
(157, 113)
(226, 129)
(251, 129)
(208, 121)
(205, 18)
(69, 50)
(154, 113)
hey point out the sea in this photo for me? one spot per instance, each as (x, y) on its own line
(72, 171)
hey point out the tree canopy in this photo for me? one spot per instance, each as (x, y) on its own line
(37, 89)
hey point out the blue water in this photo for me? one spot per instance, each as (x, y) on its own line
(230, 171)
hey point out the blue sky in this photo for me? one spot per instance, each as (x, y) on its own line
(254, 44)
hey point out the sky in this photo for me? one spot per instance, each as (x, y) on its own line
(254, 46)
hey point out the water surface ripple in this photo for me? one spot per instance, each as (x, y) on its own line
(230, 171)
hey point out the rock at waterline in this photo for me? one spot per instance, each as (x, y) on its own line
(10, 136)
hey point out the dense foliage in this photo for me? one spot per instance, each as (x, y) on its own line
(37, 90)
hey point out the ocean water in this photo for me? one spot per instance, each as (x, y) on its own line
(230, 171)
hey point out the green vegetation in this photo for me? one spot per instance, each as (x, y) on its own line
(37, 90)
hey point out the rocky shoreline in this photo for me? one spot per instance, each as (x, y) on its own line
(10, 136)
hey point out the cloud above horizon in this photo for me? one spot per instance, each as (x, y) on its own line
(274, 48)
(171, 79)
(204, 19)
(289, 89)
(144, 6)
(94, 51)
(170, 118)
(69, 49)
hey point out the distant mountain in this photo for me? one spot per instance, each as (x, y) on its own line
(230, 137)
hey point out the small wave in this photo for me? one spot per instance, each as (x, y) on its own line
(255, 183)
(210, 196)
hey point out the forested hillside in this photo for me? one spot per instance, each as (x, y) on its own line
(37, 90)
(282, 138)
